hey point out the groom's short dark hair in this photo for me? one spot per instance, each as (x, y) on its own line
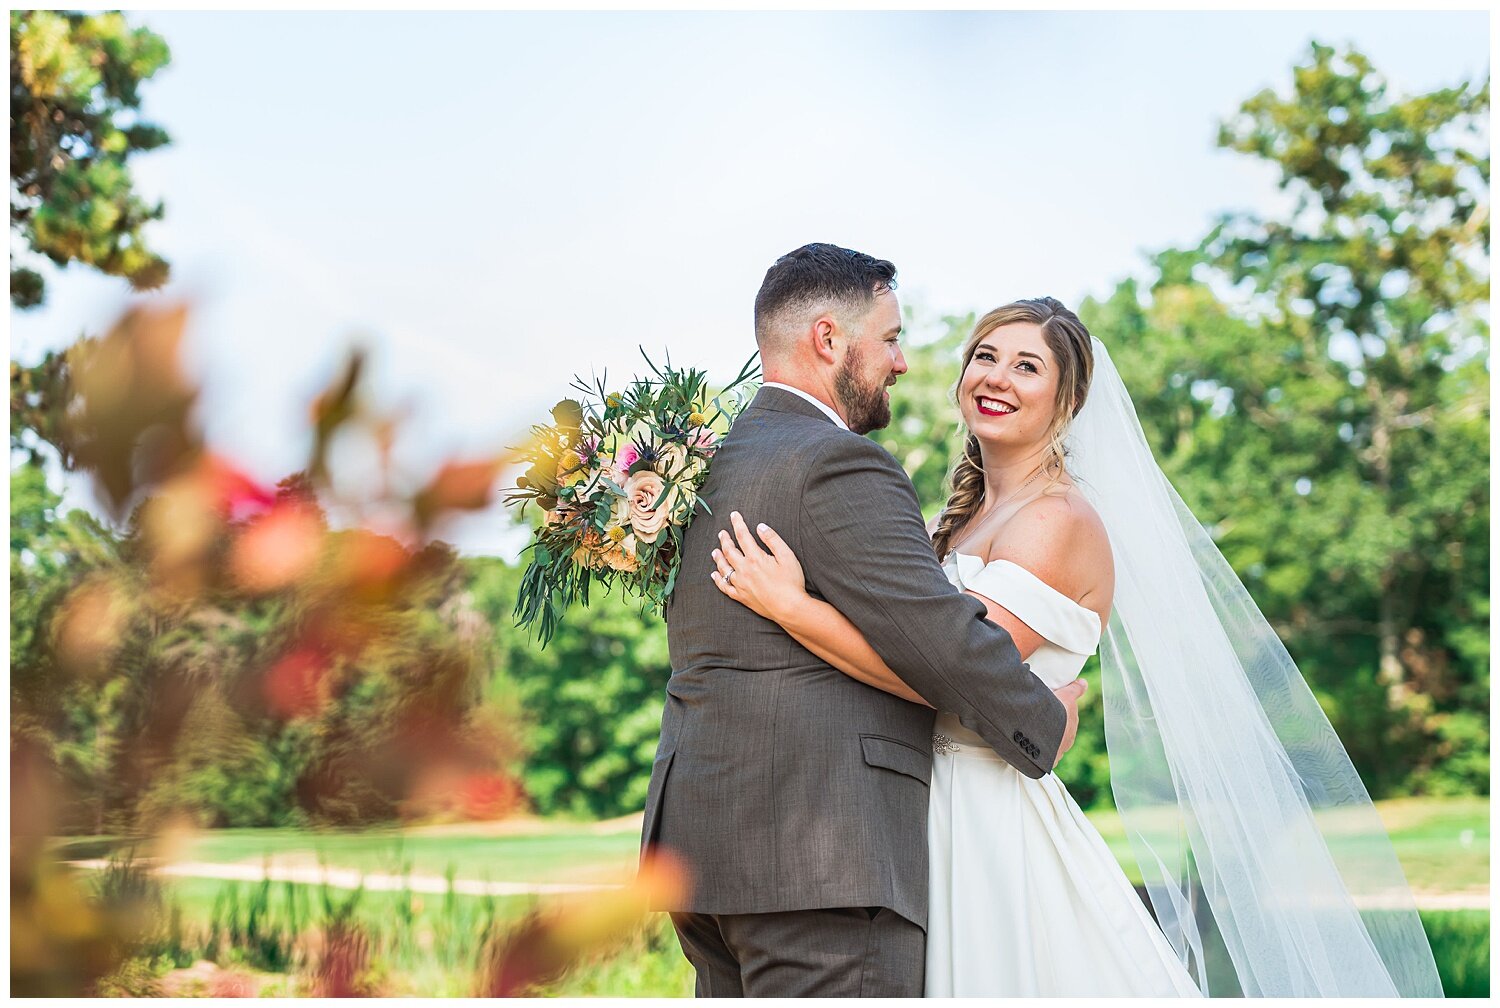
(815, 276)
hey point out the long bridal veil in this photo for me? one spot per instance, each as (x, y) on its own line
(1264, 858)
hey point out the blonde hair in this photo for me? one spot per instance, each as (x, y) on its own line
(1072, 350)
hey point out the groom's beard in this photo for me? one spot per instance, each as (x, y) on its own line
(865, 409)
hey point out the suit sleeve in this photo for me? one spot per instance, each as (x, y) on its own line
(870, 557)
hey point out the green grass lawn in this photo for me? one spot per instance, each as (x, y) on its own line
(568, 855)
(196, 897)
(429, 940)
(565, 856)
(1442, 843)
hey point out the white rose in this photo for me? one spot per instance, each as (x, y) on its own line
(671, 460)
(619, 515)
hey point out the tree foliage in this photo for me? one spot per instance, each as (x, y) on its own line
(153, 705)
(590, 702)
(925, 432)
(1316, 386)
(223, 651)
(75, 121)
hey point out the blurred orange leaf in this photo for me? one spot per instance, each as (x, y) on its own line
(547, 942)
(179, 524)
(278, 549)
(369, 563)
(131, 426)
(458, 486)
(333, 408)
(489, 796)
(89, 626)
(297, 685)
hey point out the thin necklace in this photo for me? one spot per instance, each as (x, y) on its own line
(969, 533)
(1024, 483)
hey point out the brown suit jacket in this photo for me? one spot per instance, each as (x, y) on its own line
(783, 783)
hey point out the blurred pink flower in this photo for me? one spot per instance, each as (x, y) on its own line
(236, 495)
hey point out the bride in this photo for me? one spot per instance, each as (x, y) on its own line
(1268, 870)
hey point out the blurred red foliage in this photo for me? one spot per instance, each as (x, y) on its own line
(208, 541)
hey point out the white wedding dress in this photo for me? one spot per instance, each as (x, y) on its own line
(1025, 897)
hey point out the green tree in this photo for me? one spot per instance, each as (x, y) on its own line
(74, 124)
(50, 554)
(1317, 389)
(591, 701)
(168, 710)
(924, 432)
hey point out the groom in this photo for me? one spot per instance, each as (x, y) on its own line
(795, 795)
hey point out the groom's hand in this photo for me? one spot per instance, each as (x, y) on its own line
(1069, 695)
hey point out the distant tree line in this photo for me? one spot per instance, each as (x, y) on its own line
(1316, 387)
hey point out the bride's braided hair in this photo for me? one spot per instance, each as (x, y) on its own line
(1072, 349)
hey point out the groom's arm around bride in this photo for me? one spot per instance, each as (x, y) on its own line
(876, 565)
(795, 796)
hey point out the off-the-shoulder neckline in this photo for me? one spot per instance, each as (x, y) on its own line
(987, 564)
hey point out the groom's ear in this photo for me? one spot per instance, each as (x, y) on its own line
(826, 337)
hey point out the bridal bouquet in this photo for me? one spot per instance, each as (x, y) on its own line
(616, 475)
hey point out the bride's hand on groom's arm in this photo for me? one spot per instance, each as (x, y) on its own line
(771, 583)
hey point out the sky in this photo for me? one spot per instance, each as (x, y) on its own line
(494, 203)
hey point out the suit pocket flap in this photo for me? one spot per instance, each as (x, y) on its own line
(897, 756)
